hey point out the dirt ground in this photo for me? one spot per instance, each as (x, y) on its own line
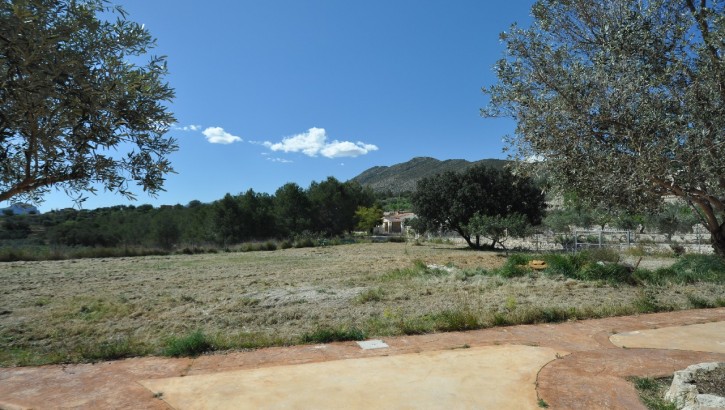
(58, 311)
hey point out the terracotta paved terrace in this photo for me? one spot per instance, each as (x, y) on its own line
(572, 365)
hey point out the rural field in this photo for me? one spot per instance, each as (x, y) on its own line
(97, 309)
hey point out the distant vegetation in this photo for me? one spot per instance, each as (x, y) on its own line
(402, 178)
(293, 215)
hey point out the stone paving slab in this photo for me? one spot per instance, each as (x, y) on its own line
(702, 337)
(591, 377)
(483, 377)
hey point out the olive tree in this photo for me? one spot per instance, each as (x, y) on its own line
(78, 107)
(622, 101)
(458, 201)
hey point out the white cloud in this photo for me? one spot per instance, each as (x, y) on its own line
(188, 128)
(217, 135)
(280, 160)
(309, 143)
(314, 142)
(338, 149)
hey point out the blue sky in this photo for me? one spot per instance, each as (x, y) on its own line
(269, 92)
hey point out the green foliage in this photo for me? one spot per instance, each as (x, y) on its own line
(293, 210)
(400, 203)
(450, 200)
(72, 93)
(335, 204)
(328, 334)
(368, 218)
(498, 228)
(191, 345)
(619, 98)
(671, 219)
(610, 272)
(515, 266)
(695, 268)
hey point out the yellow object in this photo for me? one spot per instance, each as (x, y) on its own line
(537, 264)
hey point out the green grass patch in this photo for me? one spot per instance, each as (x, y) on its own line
(192, 345)
(652, 392)
(454, 320)
(327, 334)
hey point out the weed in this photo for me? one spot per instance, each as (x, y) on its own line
(330, 334)
(456, 320)
(652, 392)
(543, 404)
(40, 302)
(647, 302)
(370, 295)
(698, 302)
(515, 266)
(510, 303)
(192, 345)
(419, 269)
(115, 349)
(608, 272)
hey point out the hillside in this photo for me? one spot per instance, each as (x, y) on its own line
(403, 177)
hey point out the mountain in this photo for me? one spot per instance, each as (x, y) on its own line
(403, 177)
(19, 209)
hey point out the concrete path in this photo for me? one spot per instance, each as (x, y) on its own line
(567, 365)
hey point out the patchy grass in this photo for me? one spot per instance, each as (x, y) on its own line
(331, 334)
(652, 392)
(99, 309)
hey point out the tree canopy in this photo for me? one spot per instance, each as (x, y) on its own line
(77, 109)
(622, 101)
(451, 200)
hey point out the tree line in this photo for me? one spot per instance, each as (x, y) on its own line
(327, 208)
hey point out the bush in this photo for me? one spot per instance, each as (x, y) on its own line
(699, 268)
(515, 266)
(566, 265)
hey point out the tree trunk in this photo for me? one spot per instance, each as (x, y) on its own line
(717, 238)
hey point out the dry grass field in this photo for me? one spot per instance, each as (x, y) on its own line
(94, 309)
